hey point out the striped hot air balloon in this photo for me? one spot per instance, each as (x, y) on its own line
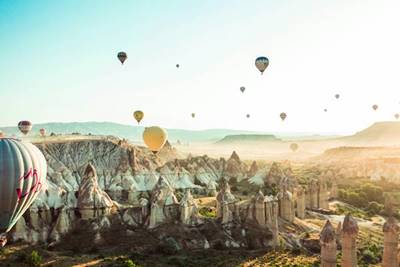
(23, 170)
(262, 64)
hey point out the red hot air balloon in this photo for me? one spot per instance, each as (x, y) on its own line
(25, 127)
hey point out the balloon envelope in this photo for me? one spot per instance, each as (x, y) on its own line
(42, 132)
(25, 127)
(337, 96)
(177, 65)
(122, 56)
(138, 115)
(294, 147)
(397, 116)
(193, 115)
(375, 107)
(242, 89)
(283, 116)
(248, 116)
(23, 172)
(155, 138)
(262, 64)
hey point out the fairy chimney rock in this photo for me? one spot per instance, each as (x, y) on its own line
(328, 245)
(349, 234)
(391, 240)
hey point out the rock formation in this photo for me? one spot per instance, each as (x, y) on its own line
(253, 169)
(188, 209)
(226, 203)
(349, 234)
(328, 245)
(323, 195)
(90, 196)
(235, 168)
(286, 204)
(300, 203)
(391, 241)
(163, 203)
(312, 195)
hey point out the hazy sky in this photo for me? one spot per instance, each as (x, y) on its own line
(58, 62)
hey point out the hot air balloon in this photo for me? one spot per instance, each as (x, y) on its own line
(337, 96)
(138, 115)
(375, 107)
(25, 127)
(397, 116)
(248, 116)
(283, 116)
(122, 56)
(42, 132)
(242, 89)
(325, 110)
(23, 172)
(294, 147)
(262, 63)
(193, 115)
(1, 134)
(177, 65)
(155, 138)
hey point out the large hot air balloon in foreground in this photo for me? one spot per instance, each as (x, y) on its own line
(23, 172)
(138, 115)
(25, 127)
(294, 147)
(375, 107)
(262, 64)
(42, 132)
(155, 138)
(122, 56)
(283, 116)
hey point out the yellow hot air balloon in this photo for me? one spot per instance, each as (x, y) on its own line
(138, 115)
(294, 147)
(155, 138)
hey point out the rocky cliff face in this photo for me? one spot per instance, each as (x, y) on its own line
(88, 178)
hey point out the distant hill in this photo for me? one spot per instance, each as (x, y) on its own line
(130, 132)
(247, 138)
(358, 153)
(380, 133)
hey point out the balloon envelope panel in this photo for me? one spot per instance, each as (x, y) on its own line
(23, 171)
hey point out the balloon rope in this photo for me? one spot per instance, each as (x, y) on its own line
(3, 239)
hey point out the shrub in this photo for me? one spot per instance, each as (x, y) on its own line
(34, 260)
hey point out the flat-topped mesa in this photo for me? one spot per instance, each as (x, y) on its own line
(349, 234)
(226, 203)
(391, 241)
(91, 197)
(328, 245)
